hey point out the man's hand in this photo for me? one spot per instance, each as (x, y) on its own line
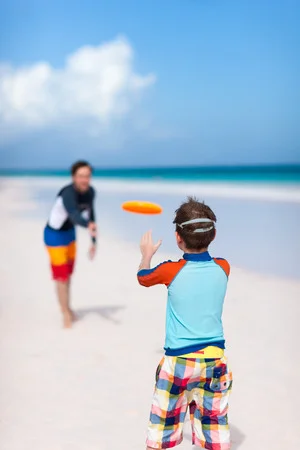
(92, 227)
(92, 252)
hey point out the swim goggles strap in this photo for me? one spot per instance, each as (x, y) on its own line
(198, 230)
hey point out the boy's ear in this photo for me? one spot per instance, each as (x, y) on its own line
(178, 238)
(214, 236)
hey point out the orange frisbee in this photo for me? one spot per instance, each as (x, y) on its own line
(140, 207)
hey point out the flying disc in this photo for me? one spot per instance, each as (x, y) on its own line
(140, 207)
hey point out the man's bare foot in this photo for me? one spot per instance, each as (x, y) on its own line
(67, 320)
(73, 315)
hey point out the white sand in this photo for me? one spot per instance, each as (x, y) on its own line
(90, 388)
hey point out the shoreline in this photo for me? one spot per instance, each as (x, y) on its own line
(276, 192)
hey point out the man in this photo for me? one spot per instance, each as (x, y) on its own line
(74, 205)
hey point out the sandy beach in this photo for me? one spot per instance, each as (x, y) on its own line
(90, 388)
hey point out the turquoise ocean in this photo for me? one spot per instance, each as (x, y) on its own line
(250, 174)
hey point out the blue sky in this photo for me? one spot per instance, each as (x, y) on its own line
(197, 82)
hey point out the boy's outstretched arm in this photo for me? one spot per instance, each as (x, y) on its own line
(164, 273)
(148, 249)
(146, 276)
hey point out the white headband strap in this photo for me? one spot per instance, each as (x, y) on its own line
(198, 230)
(203, 230)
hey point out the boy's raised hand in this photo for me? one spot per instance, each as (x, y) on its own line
(148, 248)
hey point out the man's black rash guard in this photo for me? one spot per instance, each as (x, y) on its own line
(71, 208)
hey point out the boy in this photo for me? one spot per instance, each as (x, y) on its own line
(74, 205)
(193, 373)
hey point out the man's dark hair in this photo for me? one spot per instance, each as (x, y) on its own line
(193, 209)
(78, 165)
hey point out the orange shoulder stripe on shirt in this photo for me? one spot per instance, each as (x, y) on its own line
(224, 264)
(162, 274)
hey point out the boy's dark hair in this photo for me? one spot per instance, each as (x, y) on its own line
(78, 165)
(193, 209)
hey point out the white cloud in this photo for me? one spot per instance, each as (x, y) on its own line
(97, 84)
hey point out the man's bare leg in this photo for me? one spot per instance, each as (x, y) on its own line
(73, 315)
(63, 293)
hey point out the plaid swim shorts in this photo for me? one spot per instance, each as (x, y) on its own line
(200, 385)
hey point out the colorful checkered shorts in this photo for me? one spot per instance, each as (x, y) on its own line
(203, 387)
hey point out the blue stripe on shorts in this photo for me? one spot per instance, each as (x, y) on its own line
(58, 238)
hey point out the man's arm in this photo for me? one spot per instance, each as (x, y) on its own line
(69, 202)
(93, 216)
